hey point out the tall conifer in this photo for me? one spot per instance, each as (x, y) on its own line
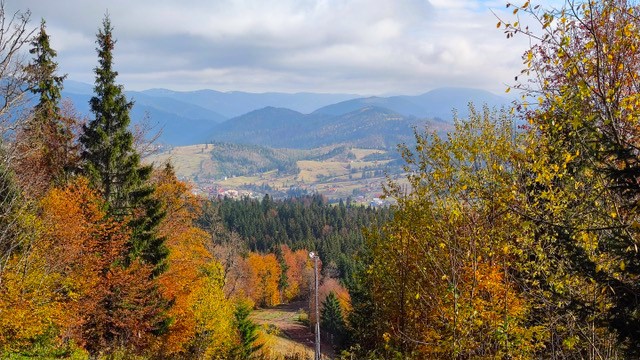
(113, 165)
(45, 142)
(332, 320)
(47, 84)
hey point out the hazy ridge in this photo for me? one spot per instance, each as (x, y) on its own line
(301, 120)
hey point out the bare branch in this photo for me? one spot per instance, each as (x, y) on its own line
(145, 137)
(15, 35)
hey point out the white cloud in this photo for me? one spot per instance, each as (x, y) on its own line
(363, 46)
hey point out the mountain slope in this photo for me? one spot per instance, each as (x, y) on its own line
(286, 120)
(438, 103)
(258, 120)
(175, 129)
(274, 127)
(372, 127)
(399, 104)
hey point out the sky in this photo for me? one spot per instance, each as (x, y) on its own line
(367, 47)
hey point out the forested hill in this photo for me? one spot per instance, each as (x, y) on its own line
(367, 127)
(308, 222)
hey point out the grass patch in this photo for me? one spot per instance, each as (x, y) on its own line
(277, 347)
(361, 153)
(303, 318)
(188, 161)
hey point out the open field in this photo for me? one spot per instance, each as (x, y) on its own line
(189, 161)
(284, 334)
(313, 171)
(361, 153)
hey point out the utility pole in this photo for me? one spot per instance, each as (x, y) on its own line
(314, 256)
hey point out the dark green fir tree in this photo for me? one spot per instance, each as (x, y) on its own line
(248, 333)
(46, 148)
(332, 320)
(112, 164)
(46, 84)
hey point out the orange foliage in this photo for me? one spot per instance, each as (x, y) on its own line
(79, 245)
(331, 285)
(187, 282)
(181, 207)
(70, 279)
(181, 279)
(129, 310)
(296, 263)
(73, 280)
(264, 274)
(105, 305)
(62, 280)
(466, 317)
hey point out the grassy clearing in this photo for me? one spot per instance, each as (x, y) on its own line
(277, 347)
(188, 161)
(370, 164)
(266, 315)
(313, 171)
(361, 153)
(285, 335)
(239, 181)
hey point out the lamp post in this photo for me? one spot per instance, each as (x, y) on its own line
(314, 256)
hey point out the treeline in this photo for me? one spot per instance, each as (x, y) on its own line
(307, 222)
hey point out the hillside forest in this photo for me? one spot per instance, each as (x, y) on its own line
(513, 236)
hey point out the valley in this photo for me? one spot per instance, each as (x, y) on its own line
(250, 144)
(337, 172)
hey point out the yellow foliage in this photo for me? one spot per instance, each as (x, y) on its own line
(28, 304)
(264, 275)
(439, 273)
(213, 313)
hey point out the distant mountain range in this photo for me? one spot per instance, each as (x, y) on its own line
(367, 127)
(302, 120)
(436, 104)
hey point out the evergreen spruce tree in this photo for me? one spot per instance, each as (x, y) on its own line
(45, 142)
(248, 333)
(113, 165)
(331, 319)
(47, 85)
(365, 328)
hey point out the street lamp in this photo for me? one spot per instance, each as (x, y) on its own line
(314, 256)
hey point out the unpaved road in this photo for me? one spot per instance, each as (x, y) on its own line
(285, 318)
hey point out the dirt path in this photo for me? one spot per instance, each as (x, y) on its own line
(285, 318)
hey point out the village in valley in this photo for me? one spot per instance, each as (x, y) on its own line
(350, 175)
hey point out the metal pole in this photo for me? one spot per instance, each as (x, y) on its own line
(315, 267)
(314, 256)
